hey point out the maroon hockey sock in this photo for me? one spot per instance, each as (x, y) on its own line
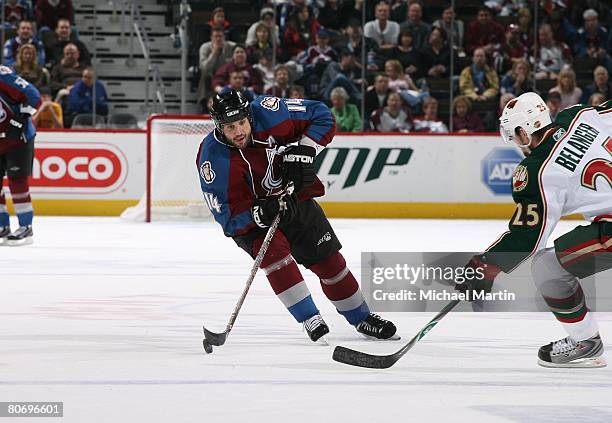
(22, 202)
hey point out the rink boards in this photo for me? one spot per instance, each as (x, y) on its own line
(101, 172)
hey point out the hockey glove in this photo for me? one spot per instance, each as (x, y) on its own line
(264, 210)
(16, 126)
(479, 276)
(298, 166)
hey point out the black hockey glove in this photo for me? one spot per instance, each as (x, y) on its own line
(298, 166)
(264, 210)
(479, 276)
(16, 126)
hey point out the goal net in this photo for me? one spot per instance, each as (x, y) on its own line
(172, 188)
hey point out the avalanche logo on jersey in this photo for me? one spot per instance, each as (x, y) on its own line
(207, 173)
(269, 182)
(271, 103)
(520, 178)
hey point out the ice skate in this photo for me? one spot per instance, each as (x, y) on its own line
(5, 231)
(22, 236)
(569, 353)
(316, 328)
(376, 327)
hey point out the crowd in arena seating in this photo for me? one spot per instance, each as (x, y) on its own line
(413, 55)
(42, 46)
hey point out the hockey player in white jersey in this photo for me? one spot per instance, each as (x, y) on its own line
(567, 170)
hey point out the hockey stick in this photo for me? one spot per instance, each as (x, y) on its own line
(361, 359)
(218, 339)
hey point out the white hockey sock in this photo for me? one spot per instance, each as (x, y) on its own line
(584, 329)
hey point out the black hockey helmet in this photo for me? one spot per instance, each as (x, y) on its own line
(229, 106)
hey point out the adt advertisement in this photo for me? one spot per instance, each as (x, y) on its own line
(497, 169)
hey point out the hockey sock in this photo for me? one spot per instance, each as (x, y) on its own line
(4, 216)
(563, 295)
(341, 287)
(285, 278)
(20, 193)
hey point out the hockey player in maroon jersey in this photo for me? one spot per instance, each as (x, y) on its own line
(244, 165)
(18, 101)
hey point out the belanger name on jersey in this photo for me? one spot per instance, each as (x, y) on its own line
(276, 122)
(569, 172)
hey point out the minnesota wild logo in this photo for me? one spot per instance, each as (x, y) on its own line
(520, 178)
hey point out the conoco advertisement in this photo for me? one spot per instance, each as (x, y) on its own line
(89, 165)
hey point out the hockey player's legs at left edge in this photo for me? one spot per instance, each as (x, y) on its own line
(256, 150)
(19, 100)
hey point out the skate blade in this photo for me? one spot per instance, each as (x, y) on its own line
(19, 243)
(584, 363)
(3, 241)
(395, 337)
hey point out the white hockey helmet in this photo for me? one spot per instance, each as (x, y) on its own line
(527, 111)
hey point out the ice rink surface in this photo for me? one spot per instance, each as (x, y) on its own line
(106, 316)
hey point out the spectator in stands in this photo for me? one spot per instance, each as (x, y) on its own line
(335, 13)
(301, 31)
(458, 28)
(49, 114)
(518, 80)
(553, 102)
(563, 30)
(464, 120)
(504, 7)
(346, 114)
(478, 81)
(402, 83)
(600, 85)
(382, 30)
(511, 51)
(407, 54)
(376, 96)
(282, 87)
(342, 74)
(297, 91)
(24, 36)
(436, 55)
(218, 20)
(68, 71)
(81, 97)
(566, 86)
(552, 56)
(592, 39)
(236, 82)
(265, 67)
(525, 25)
(429, 121)
(16, 11)
(286, 10)
(484, 32)
(392, 118)
(318, 56)
(213, 54)
(252, 78)
(419, 29)
(374, 60)
(266, 17)
(28, 69)
(56, 41)
(49, 11)
(262, 44)
(596, 99)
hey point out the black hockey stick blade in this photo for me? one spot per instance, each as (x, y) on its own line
(371, 361)
(215, 339)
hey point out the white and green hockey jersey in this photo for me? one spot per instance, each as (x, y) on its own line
(569, 172)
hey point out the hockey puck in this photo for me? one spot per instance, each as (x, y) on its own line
(207, 347)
